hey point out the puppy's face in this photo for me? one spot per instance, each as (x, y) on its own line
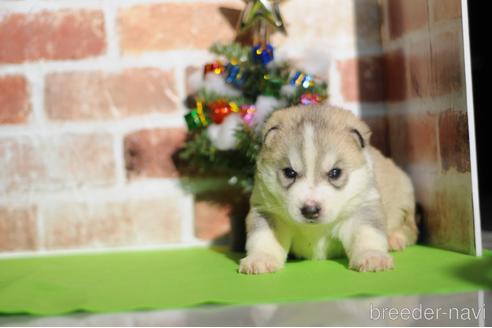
(313, 162)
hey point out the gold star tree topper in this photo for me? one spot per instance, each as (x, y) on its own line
(257, 13)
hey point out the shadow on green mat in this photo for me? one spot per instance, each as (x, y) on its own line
(479, 273)
(237, 256)
(224, 250)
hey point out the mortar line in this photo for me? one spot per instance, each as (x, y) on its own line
(422, 34)
(123, 126)
(119, 158)
(40, 229)
(187, 224)
(41, 5)
(102, 250)
(112, 193)
(163, 60)
(110, 9)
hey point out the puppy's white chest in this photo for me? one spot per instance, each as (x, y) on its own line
(315, 245)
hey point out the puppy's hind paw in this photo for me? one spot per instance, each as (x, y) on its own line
(371, 261)
(259, 263)
(397, 241)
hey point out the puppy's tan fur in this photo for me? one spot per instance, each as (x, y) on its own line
(365, 212)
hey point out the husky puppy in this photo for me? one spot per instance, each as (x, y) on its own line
(322, 191)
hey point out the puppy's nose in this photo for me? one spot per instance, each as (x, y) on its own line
(311, 211)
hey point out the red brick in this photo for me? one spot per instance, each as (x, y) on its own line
(414, 147)
(15, 106)
(148, 153)
(362, 78)
(22, 166)
(444, 10)
(395, 76)
(55, 35)
(406, 16)
(211, 220)
(360, 22)
(109, 224)
(169, 26)
(380, 130)
(454, 144)
(58, 162)
(18, 229)
(420, 69)
(449, 216)
(447, 63)
(97, 95)
(367, 19)
(414, 138)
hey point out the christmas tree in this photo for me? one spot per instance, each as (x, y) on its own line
(235, 95)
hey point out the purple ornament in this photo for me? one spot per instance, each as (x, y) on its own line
(248, 113)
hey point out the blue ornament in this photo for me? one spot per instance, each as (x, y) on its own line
(300, 79)
(262, 54)
(235, 75)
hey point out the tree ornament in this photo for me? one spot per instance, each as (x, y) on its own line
(234, 107)
(300, 79)
(219, 109)
(309, 98)
(215, 67)
(197, 118)
(235, 74)
(258, 12)
(262, 53)
(248, 113)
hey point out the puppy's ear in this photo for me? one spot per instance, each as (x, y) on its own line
(361, 133)
(271, 129)
(270, 134)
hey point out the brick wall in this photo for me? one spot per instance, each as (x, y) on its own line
(91, 110)
(428, 127)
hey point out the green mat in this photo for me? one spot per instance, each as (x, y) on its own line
(183, 278)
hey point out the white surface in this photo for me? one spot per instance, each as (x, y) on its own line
(348, 312)
(471, 127)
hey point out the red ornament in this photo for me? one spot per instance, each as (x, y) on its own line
(309, 98)
(219, 109)
(216, 67)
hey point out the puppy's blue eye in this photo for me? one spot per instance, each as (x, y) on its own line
(335, 173)
(289, 173)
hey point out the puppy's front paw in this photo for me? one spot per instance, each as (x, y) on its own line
(259, 263)
(371, 261)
